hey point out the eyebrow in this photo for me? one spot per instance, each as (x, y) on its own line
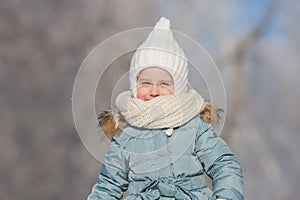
(145, 79)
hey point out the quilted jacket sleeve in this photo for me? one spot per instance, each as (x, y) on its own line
(112, 181)
(220, 164)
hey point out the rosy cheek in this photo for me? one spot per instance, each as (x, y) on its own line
(141, 94)
(167, 92)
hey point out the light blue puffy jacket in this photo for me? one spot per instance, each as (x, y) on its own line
(152, 165)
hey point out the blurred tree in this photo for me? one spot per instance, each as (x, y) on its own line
(44, 42)
(236, 60)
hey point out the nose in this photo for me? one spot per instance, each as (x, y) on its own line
(154, 91)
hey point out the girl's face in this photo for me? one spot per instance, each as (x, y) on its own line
(153, 82)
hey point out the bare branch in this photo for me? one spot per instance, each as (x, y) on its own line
(237, 60)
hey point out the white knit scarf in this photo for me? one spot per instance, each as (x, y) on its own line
(161, 112)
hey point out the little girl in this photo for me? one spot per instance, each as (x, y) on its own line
(163, 141)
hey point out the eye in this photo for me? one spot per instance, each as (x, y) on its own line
(145, 83)
(166, 84)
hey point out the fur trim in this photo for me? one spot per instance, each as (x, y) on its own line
(210, 114)
(112, 122)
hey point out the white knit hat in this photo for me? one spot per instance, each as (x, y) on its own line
(160, 49)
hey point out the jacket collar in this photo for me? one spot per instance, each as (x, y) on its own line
(112, 122)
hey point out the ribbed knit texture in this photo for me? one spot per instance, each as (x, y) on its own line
(160, 49)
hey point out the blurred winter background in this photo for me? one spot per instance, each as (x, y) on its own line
(255, 44)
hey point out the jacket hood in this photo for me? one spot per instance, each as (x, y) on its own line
(112, 122)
